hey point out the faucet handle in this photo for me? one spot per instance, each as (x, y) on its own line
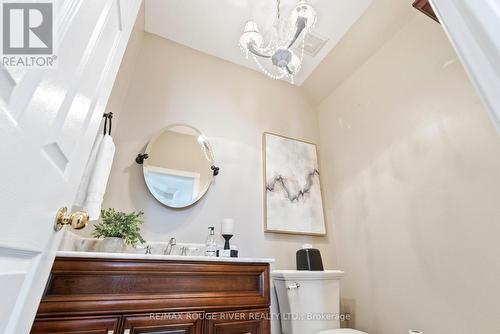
(148, 249)
(170, 245)
(184, 251)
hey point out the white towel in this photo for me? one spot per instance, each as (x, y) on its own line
(99, 178)
(83, 189)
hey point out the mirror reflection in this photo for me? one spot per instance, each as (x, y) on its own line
(178, 171)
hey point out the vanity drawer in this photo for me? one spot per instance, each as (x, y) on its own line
(174, 323)
(80, 286)
(81, 325)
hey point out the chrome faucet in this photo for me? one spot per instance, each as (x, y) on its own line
(169, 247)
(148, 249)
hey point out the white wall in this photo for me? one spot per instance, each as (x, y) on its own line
(412, 171)
(232, 106)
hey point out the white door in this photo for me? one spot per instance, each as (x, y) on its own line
(473, 26)
(48, 121)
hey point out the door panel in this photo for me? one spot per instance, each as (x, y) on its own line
(164, 323)
(97, 325)
(48, 122)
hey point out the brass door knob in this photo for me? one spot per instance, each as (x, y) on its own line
(77, 220)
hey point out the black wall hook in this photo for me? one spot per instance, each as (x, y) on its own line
(215, 169)
(140, 158)
(108, 115)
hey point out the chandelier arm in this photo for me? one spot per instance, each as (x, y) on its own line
(301, 25)
(252, 48)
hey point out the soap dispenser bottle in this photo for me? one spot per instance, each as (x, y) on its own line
(211, 244)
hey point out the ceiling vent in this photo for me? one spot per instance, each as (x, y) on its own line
(313, 44)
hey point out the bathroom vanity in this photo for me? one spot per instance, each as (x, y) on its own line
(135, 293)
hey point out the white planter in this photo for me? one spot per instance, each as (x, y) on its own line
(112, 245)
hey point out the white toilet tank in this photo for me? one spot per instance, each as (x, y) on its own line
(308, 300)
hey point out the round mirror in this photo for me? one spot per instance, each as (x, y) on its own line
(178, 169)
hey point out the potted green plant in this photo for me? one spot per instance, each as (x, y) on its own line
(119, 229)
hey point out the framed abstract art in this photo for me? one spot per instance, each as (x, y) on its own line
(293, 201)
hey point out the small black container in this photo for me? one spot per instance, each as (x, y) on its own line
(309, 259)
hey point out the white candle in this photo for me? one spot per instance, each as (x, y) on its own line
(227, 226)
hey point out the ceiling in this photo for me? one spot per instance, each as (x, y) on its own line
(380, 22)
(214, 26)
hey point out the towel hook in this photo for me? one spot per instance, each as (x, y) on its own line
(108, 115)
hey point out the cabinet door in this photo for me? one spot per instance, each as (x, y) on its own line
(238, 322)
(164, 323)
(87, 325)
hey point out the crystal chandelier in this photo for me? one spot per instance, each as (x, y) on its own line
(282, 37)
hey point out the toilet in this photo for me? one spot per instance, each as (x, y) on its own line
(309, 301)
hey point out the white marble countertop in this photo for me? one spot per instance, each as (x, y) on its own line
(135, 256)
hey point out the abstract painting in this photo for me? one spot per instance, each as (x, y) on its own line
(292, 190)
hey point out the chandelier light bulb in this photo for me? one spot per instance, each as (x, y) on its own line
(294, 65)
(250, 35)
(305, 11)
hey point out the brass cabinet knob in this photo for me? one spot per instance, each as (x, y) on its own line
(77, 220)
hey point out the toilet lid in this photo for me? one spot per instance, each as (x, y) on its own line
(342, 331)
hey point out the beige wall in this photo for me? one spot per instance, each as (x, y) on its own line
(232, 106)
(412, 173)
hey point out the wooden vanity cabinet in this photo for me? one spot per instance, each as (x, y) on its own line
(125, 296)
